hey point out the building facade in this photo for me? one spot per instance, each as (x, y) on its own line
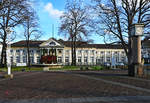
(58, 52)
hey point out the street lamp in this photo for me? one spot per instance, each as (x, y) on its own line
(8, 31)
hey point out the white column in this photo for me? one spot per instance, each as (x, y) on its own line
(63, 59)
(48, 52)
(70, 57)
(89, 61)
(104, 56)
(14, 56)
(119, 56)
(21, 56)
(95, 57)
(76, 56)
(35, 56)
(82, 57)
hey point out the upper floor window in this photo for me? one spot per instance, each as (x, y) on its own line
(108, 53)
(79, 51)
(102, 52)
(18, 52)
(86, 51)
(67, 51)
(24, 52)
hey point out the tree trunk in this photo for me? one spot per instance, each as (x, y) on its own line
(3, 54)
(131, 71)
(28, 53)
(72, 52)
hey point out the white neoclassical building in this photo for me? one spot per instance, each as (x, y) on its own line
(54, 51)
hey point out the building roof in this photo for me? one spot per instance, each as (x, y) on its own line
(79, 44)
(24, 44)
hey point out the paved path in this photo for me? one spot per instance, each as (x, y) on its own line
(121, 99)
(134, 78)
(111, 82)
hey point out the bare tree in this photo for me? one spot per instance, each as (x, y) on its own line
(11, 15)
(115, 19)
(31, 31)
(76, 23)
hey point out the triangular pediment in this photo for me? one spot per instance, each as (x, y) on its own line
(51, 43)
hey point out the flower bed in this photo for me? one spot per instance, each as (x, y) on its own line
(48, 59)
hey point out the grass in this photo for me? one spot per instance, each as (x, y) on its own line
(99, 67)
(63, 68)
(20, 69)
(67, 68)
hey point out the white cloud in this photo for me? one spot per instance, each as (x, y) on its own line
(52, 11)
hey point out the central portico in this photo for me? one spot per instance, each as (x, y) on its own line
(50, 51)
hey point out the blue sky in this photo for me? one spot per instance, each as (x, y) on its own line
(49, 12)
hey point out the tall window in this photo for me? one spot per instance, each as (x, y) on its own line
(85, 59)
(24, 59)
(18, 52)
(79, 60)
(31, 52)
(11, 51)
(67, 59)
(11, 60)
(59, 59)
(108, 59)
(38, 60)
(32, 59)
(92, 59)
(18, 59)
(79, 51)
(102, 59)
(24, 52)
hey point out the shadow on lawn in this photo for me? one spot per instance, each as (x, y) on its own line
(103, 74)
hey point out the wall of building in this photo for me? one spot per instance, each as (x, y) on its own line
(84, 56)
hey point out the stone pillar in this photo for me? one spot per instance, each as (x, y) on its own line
(63, 58)
(76, 56)
(89, 61)
(14, 56)
(35, 56)
(95, 57)
(82, 57)
(104, 56)
(70, 57)
(21, 56)
(137, 69)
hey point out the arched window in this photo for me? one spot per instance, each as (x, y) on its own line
(52, 43)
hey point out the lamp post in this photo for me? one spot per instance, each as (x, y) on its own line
(8, 31)
(137, 32)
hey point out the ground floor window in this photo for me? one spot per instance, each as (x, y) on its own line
(11, 60)
(32, 59)
(108, 59)
(102, 59)
(24, 59)
(38, 59)
(85, 59)
(59, 59)
(67, 59)
(123, 59)
(18, 59)
(98, 61)
(92, 59)
(79, 60)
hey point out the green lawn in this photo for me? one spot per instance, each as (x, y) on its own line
(20, 69)
(63, 68)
